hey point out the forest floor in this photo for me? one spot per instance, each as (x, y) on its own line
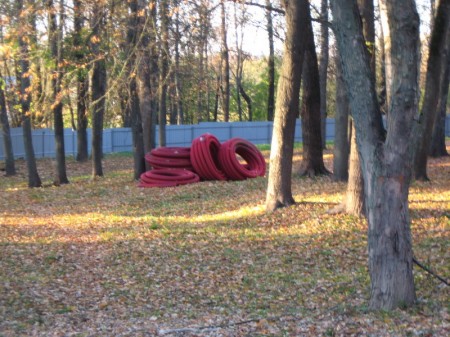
(106, 258)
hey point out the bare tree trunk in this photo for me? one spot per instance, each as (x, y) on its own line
(386, 52)
(279, 192)
(438, 148)
(98, 91)
(146, 74)
(270, 65)
(10, 168)
(226, 66)
(82, 84)
(55, 41)
(164, 73)
(353, 202)
(25, 98)
(133, 97)
(354, 196)
(312, 162)
(437, 61)
(386, 162)
(248, 100)
(341, 149)
(323, 68)
(179, 99)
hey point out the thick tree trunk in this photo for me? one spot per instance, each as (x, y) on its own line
(354, 196)
(323, 68)
(279, 193)
(438, 148)
(385, 163)
(341, 149)
(437, 61)
(10, 168)
(312, 162)
(270, 65)
(25, 99)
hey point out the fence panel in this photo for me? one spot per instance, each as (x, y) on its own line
(121, 140)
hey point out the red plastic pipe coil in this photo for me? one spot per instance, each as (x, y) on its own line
(254, 166)
(169, 157)
(167, 178)
(204, 157)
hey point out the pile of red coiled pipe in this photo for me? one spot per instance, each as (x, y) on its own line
(206, 159)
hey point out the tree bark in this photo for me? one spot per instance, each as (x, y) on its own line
(279, 192)
(178, 90)
(146, 75)
(341, 149)
(226, 66)
(82, 84)
(270, 65)
(386, 163)
(133, 97)
(55, 41)
(10, 167)
(438, 147)
(354, 196)
(323, 68)
(164, 73)
(99, 82)
(437, 61)
(312, 162)
(25, 98)
(248, 100)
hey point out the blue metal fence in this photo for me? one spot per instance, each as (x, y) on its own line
(120, 139)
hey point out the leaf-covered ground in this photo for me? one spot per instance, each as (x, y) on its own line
(105, 258)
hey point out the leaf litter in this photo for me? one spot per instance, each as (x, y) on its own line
(105, 258)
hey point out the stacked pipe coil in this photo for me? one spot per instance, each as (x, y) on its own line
(204, 157)
(168, 177)
(255, 164)
(170, 157)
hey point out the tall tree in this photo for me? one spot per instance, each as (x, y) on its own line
(279, 191)
(55, 41)
(99, 86)
(177, 75)
(147, 71)
(225, 64)
(438, 148)
(386, 161)
(270, 64)
(312, 162)
(25, 95)
(437, 62)
(82, 81)
(164, 67)
(133, 97)
(10, 167)
(323, 67)
(341, 147)
(353, 202)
